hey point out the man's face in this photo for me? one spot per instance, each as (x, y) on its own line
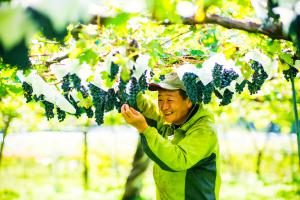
(173, 106)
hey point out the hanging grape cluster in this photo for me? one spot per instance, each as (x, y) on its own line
(134, 90)
(222, 78)
(61, 115)
(239, 87)
(110, 100)
(70, 82)
(73, 81)
(143, 82)
(190, 82)
(258, 78)
(98, 96)
(290, 73)
(27, 91)
(126, 91)
(122, 96)
(48, 109)
(114, 70)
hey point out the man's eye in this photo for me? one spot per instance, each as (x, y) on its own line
(159, 100)
(170, 99)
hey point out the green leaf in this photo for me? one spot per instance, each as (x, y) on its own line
(163, 10)
(89, 56)
(197, 52)
(15, 88)
(287, 58)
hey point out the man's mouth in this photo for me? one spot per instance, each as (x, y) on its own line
(168, 113)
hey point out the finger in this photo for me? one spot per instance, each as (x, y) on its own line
(129, 113)
(125, 113)
(135, 112)
(126, 107)
(123, 108)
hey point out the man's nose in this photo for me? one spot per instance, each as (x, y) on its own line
(165, 106)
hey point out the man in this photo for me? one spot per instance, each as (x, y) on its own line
(180, 138)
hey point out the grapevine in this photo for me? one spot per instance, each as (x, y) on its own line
(78, 109)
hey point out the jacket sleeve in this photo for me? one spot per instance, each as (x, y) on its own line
(148, 108)
(196, 146)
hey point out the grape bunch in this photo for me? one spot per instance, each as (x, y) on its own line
(61, 115)
(217, 75)
(133, 91)
(239, 87)
(290, 73)
(227, 96)
(223, 77)
(27, 91)
(73, 81)
(190, 82)
(110, 100)
(66, 83)
(122, 96)
(98, 96)
(258, 78)
(48, 106)
(76, 81)
(228, 76)
(114, 69)
(143, 82)
(207, 92)
(89, 112)
(200, 90)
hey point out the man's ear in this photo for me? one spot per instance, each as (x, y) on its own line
(190, 104)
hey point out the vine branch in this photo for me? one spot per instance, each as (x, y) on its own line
(274, 31)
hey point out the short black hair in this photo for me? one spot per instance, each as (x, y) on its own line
(183, 94)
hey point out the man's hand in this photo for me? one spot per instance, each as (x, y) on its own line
(134, 118)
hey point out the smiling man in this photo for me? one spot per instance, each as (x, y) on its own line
(181, 139)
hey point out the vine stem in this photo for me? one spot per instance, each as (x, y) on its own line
(176, 36)
(296, 116)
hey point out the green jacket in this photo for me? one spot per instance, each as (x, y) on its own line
(186, 166)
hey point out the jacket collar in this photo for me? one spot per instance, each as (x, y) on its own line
(195, 114)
